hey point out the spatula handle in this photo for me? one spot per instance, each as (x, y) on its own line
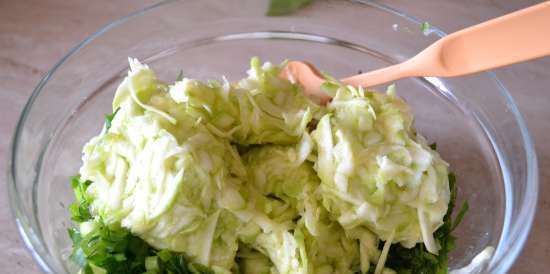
(512, 38)
(519, 36)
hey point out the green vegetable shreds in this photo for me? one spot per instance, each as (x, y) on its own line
(254, 177)
(376, 172)
(259, 109)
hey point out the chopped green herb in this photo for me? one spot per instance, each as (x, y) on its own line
(418, 259)
(460, 215)
(79, 209)
(109, 119)
(180, 76)
(101, 248)
(425, 27)
(284, 7)
(433, 146)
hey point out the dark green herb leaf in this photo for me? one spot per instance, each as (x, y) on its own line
(460, 215)
(425, 27)
(433, 146)
(284, 7)
(109, 118)
(79, 208)
(418, 259)
(196, 268)
(114, 249)
(452, 198)
(180, 76)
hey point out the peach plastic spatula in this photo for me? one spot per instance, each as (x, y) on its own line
(512, 38)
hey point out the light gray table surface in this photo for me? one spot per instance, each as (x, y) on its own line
(35, 34)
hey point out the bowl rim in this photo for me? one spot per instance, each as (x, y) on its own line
(500, 262)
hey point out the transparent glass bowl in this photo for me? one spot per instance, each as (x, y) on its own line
(473, 119)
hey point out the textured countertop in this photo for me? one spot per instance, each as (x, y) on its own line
(35, 34)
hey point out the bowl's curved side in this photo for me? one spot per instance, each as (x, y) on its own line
(513, 242)
(32, 241)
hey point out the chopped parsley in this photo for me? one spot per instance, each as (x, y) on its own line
(284, 7)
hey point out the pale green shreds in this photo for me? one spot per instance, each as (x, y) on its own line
(254, 177)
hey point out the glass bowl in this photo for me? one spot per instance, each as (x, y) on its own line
(473, 119)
